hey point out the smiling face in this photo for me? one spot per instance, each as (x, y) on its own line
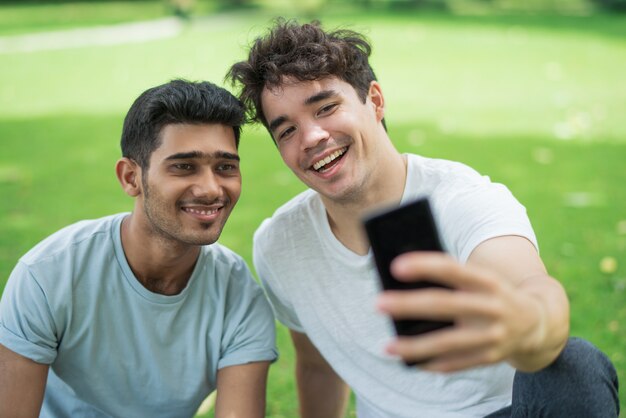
(192, 183)
(326, 135)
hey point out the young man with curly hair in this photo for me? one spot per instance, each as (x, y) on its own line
(508, 352)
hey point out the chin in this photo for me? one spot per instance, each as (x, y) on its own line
(204, 238)
(343, 196)
(201, 241)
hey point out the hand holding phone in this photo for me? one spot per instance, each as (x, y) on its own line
(410, 227)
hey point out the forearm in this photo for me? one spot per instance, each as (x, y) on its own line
(546, 340)
(241, 390)
(22, 385)
(321, 392)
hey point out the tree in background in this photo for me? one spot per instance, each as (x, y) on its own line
(182, 8)
(612, 5)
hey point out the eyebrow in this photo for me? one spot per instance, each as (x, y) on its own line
(277, 122)
(317, 97)
(197, 154)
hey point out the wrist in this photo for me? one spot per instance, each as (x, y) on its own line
(548, 334)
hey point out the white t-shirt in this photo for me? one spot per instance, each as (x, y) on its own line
(319, 287)
(116, 349)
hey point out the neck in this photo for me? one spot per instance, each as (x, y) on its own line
(160, 265)
(385, 189)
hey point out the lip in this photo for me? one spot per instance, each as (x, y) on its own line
(203, 213)
(327, 154)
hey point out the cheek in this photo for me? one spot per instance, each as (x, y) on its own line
(289, 154)
(234, 189)
(172, 190)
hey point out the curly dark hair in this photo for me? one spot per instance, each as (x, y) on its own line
(305, 52)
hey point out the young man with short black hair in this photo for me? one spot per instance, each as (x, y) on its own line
(143, 314)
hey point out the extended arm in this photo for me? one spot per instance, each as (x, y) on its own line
(547, 326)
(504, 305)
(241, 391)
(22, 385)
(322, 393)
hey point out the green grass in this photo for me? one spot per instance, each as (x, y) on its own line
(19, 18)
(537, 103)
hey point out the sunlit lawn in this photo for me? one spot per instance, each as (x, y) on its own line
(536, 103)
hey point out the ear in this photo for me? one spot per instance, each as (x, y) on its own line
(375, 95)
(129, 175)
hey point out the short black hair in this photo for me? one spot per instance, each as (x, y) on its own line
(176, 102)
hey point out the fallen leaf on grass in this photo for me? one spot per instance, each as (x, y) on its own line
(608, 265)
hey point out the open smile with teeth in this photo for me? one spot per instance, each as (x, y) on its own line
(320, 166)
(201, 212)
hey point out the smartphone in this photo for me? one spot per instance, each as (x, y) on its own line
(410, 227)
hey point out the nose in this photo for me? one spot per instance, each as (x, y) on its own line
(312, 134)
(206, 185)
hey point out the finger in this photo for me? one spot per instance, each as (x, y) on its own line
(460, 362)
(448, 344)
(443, 269)
(439, 304)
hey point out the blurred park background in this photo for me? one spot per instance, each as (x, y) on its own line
(530, 93)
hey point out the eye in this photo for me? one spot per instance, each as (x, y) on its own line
(286, 133)
(228, 167)
(183, 167)
(327, 109)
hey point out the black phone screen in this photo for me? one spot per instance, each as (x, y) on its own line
(410, 227)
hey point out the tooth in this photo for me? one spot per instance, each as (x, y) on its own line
(331, 157)
(201, 212)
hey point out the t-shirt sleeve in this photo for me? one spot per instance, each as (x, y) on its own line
(26, 323)
(283, 310)
(480, 211)
(249, 330)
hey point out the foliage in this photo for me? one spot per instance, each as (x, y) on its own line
(612, 5)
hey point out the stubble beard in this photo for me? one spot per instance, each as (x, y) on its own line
(354, 194)
(171, 230)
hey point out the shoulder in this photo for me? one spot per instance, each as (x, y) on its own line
(71, 256)
(296, 206)
(469, 207)
(231, 283)
(222, 258)
(453, 183)
(294, 216)
(70, 240)
(437, 172)
(226, 267)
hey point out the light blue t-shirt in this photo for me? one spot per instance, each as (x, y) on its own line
(115, 349)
